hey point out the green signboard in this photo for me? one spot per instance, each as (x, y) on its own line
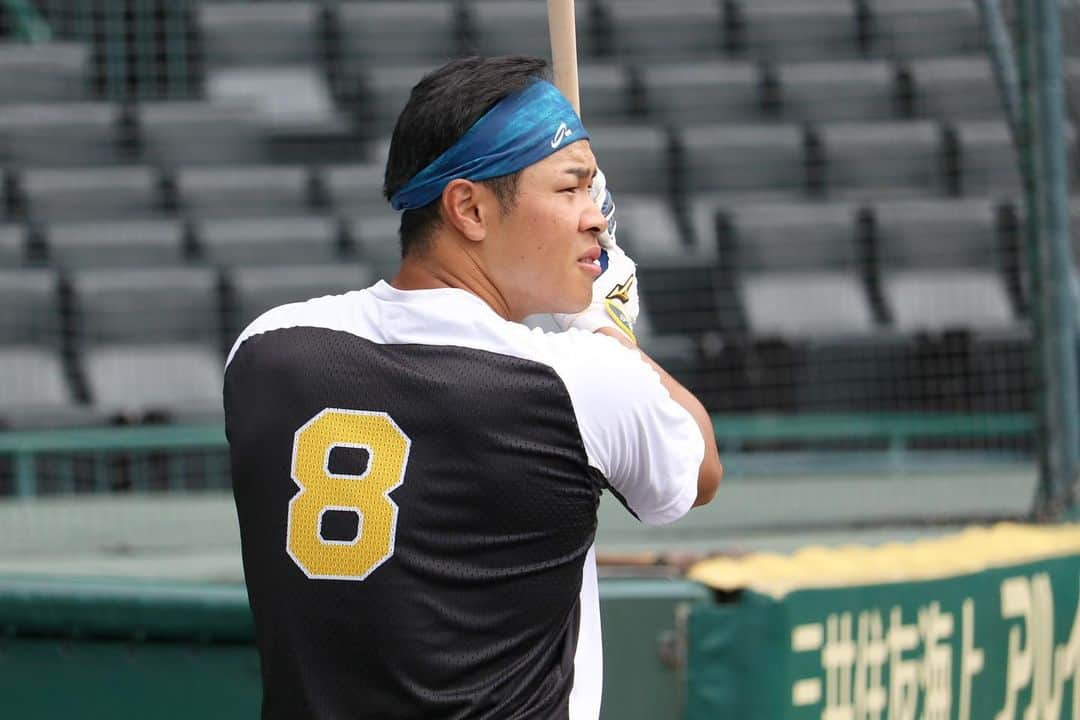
(997, 644)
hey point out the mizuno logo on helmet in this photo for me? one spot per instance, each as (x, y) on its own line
(561, 134)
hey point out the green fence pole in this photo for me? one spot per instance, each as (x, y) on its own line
(1057, 339)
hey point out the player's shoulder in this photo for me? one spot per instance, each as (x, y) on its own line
(595, 360)
(329, 311)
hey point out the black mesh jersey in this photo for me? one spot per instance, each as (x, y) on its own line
(416, 483)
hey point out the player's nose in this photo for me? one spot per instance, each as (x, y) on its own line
(592, 220)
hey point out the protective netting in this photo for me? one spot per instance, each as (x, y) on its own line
(822, 197)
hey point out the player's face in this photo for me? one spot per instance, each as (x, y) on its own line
(546, 245)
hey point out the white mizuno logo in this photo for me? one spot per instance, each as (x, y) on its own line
(561, 134)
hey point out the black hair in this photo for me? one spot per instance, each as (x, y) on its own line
(440, 109)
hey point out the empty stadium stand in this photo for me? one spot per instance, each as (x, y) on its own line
(814, 190)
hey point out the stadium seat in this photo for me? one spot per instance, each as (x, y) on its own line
(265, 33)
(798, 270)
(989, 164)
(62, 135)
(606, 94)
(43, 72)
(34, 387)
(783, 30)
(257, 289)
(150, 341)
(925, 28)
(116, 244)
(741, 161)
(180, 382)
(12, 246)
(97, 193)
(384, 32)
(377, 243)
(269, 241)
(941, 267)
(682, 295)
(29, 307)
(381, 94)
(838, 91)
(635, 159)
(148, 305)
(35, 392)
(648, 227)
(283, 97)
(703, 93)
(519, 27)
(244, 191)
(908, 159)
(956, 89)
(199, 133)
(355, 189)
(644, 31)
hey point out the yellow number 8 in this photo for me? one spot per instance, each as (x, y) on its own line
(367, 494)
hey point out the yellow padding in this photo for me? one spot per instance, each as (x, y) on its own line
(975, 549)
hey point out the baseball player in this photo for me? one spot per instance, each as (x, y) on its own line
(416, 472)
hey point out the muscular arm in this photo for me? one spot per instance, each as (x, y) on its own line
(711, 470)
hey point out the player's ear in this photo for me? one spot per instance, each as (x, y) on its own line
(464, 206)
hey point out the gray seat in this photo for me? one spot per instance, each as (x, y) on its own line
(31, 308)
(244, 191)
(43, 72)
(635, 159)
(12, 246)
(518, 27)
(870, 160)
(647, 31)
(180, 381)
(838, 91)
(33, 380)
(200, 133)
(270, 241)
(798, 271)
(284, 97)
(150, 341)
(391, 33)
(925, 28)
(745, 161)
(257, 289)
(146, 305)
(116, 244)
(782, 30)
(647, 226)
(34, 390)
(264, 33)
(940, 267)
(956, 89)
(988, 161)
(61, 135)
(72, 194)
(356, 189)
(377, 243)
(605, 94)
(385, 91)
(696, 93)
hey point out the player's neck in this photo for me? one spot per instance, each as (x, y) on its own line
(445, 265)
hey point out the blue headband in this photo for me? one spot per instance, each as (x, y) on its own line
(520, 130)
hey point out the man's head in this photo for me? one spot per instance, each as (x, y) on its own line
(529, 232)
(441, 109)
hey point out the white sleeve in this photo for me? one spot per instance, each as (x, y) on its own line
(647, 446)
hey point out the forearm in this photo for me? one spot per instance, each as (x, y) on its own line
(711, 469)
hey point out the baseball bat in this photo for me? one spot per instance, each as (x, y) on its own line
(562, 30)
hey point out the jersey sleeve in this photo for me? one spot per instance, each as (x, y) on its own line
(647, 446)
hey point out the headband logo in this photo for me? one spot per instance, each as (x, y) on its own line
(561, 134)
